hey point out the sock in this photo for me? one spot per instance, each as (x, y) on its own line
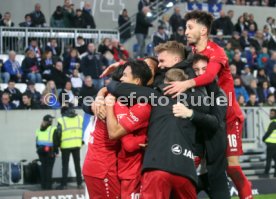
(239, 179)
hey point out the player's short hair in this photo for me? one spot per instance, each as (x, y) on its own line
(199, 57)
(140, 69)
(175, 74)
(118, 73)
(172, 47)
(155, 60)
(201, 17)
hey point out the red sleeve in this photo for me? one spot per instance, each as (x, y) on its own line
(134, 117)
(212, 70)
(130, 142)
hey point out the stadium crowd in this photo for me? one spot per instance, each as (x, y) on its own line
(75, 70)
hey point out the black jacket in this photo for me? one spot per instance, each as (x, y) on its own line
(93, 65)
(88, 20)
(59, 78)
(87, 91)
(142, 25)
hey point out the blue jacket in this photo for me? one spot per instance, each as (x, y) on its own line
(8, 67)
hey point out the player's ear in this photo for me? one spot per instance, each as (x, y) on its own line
(204, 30)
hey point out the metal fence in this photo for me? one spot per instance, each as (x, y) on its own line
(18, 38)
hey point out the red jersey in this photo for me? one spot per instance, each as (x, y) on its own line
(135, 121)
(101, 156)
(218, 66)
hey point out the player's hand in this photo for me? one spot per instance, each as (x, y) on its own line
(110, 69)
(109, 100)
(180, 110)
(98, 107)
(177, 88)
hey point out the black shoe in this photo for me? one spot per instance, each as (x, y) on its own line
(61, 187)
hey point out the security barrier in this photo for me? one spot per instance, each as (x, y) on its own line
(18, 38)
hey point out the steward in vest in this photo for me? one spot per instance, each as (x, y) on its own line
(46, 150)
(270, 139)
(69, 135)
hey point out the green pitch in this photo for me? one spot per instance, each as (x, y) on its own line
(268, 196)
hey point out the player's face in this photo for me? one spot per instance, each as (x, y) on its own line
(200, 67)
(167, 60)
(193, 31)
(128, 77)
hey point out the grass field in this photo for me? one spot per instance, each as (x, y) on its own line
(268, 196)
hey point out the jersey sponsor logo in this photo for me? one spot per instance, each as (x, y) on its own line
(133, 117)
(176, 149)
(120, 116)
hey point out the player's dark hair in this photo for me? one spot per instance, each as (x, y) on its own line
(201, 17)
(198, 57)
(140, 70)
(118, 73)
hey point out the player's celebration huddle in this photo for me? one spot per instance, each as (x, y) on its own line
(157, 135)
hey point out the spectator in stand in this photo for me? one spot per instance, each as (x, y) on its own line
(87, 16)
(66, 96)
(141, 30)
(261, 76)
(35, 48)
(58, 76)
(272, 76)
(76, 82)
(81, 45)
(229, 51)
(253, 87)
(142, 4)
(218, 39)
(88, 89)
(266, 33)
(79, 21)
(50, 96)
(240, 26)
(27, 103)
(35, 95)
(67, 50)
(235, 40)
(239, 89)
(46, 65)
(125, 26)
(37, 16)
(270, 100)
(241, 101)
(6, 104)
(238, 63)
(28, 21)
(252, 31)
(165, 23)
(179, 36)
(233, 70)
(263, 92)
(93, 65)
(252, 100)
(222, 24)
(263, 57)
(54, 48)
(105, 48)
(176, 20)
(119, 51)
(57, 18)
(230, 14)
(245, 41)
(160, 36)
(15, 94)
(259, 37)
(12, 69)
(30, 67)
(6, 21)
(252, 21)
(68, 13)
(269, 22)
(270, 43)
(247, 76)
(72, 62)
(271, 63)
(251, 57)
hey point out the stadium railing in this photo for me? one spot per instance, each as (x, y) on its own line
(14, 38)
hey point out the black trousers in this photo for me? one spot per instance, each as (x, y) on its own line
(47, 162)
(65, 153)
(270, 154)
(215, 182)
